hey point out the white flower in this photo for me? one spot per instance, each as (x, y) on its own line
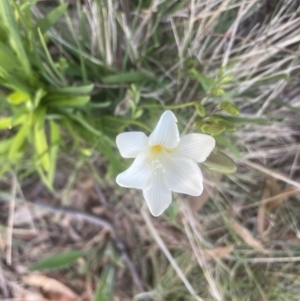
(164, 162)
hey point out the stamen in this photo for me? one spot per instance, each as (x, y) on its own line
(156, 164)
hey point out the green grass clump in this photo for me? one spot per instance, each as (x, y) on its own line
(38, 99)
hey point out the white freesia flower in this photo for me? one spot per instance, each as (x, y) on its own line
(164, 162)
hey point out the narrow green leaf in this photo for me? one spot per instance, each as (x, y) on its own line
(57, 261)
(106, 147)
(50, 60)
(218, 161)
(83, 90)
(17, 97)
(246, 120)
(51, 18)
(105, 284)
(79, 49)
(292, 108)
(7, 57)
(44, 178)
(206, 83)
(13, 81)
(19, 118)
(230, 108)
(18, 140)
(100, 105)
(274, 78)
(69, 125)
(40, 141)
(10, 23)
(5, 145)
(67, 101)
(40, 93)
(23, 16)
(54, 144)
(126, 77)
(84, 124)
(5, 123)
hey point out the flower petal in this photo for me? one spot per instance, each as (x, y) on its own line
(158, 196)
(166, 131)
(131, 144)
(138, 175)
(183, 175)
(195, 146)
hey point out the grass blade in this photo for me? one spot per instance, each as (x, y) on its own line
(51, 18)
(57, 261)
(14, 35)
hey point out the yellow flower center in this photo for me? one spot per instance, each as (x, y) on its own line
(156, 148)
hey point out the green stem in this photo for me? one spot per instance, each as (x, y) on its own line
(145, 127)
(180, 106)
